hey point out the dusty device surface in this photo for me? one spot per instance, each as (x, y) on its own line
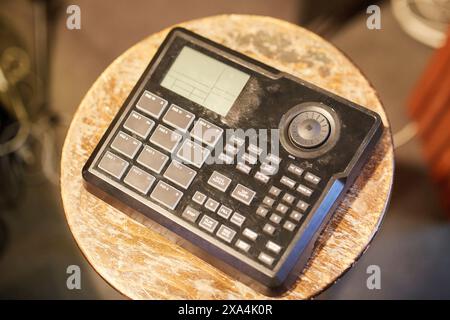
(244, 162)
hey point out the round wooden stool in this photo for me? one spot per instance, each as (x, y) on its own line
(143, 264)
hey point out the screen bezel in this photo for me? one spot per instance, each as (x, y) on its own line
(202, 60)
(171, 51)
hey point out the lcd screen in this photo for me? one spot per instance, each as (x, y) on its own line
(204, 80)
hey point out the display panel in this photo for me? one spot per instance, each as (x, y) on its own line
(204, 80)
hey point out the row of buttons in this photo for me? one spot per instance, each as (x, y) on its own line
(307, 192)
(150, 158)
(287, 197)
(142, 181)
(245, 195)
(249, 158)
(224, 232)
(150, 104)
(176, 117)
(308, 176)
(164, 138)
(237, 219)
(190, 152)
(240, 192)
(281, 209)
(210, 224)
(287, 200)
(270, 245)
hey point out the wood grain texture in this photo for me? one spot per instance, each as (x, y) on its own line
(144, 264)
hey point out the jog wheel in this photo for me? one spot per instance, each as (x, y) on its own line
(309, 129)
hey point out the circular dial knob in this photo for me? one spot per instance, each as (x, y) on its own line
(309, 129)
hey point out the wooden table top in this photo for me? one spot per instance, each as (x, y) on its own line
(144, 264)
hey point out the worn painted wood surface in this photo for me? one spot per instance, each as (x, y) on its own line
(143, 264)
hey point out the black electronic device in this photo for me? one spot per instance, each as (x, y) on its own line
(245, 162)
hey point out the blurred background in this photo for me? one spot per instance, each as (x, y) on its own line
(46, 69)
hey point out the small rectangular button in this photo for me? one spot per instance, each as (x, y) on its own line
(224, 158)
(289, 226)
(139, 179)
(304, 190)
(126, 144)
(206, 132)
(113, 165)
(262, 212)
(312, 178)
(289, 198)
(237, 141)
(295, 170)
(295, 215)
(287, 182)
(243, 194)
(152, 159)
(302, 205)
(254, 150)
(238, 219)
(268, 169)
(180, 174)
(252, 235)
(230, 150)
(268, 201)
(265, 258)
(178, 118)
(274, 191)
(269, 229)
(273, 159)
(211, 205)
(224, 212)
(166, 195)
(282, 208)
(165, 138)
(208, 223)
(199, 197)
(151, 104)
(226, 233)
(272, 246)
(244, 246)
(261, 177)
(249, 158)
(243, 168)
(193, 153)
(190, 214)
(219, 181)
(138, 124)
(275, 218)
